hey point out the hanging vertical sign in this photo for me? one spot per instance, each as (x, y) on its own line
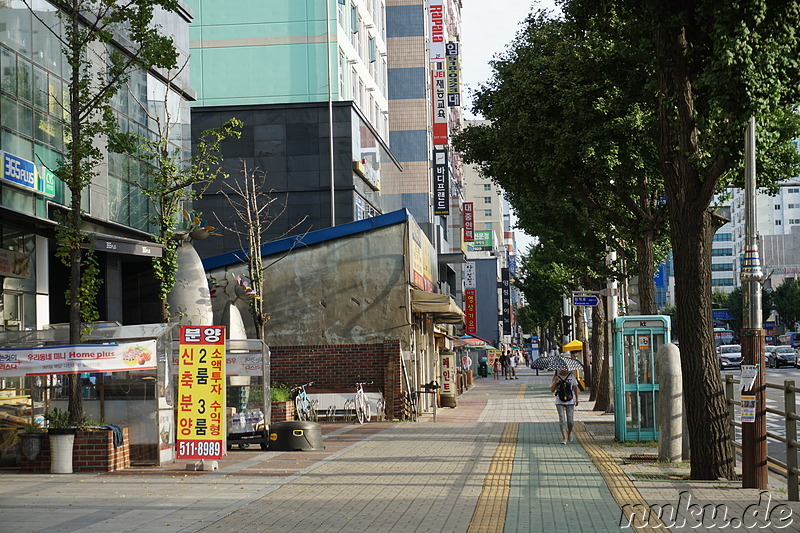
(469, 222)
(439, 103)
(470, 311)
(441, 184)
(505, 291)
(436, 29)
(453, 76)
(201, 393)
(469, 275)
(449, 370)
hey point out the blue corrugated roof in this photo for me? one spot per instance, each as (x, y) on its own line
(314, 237)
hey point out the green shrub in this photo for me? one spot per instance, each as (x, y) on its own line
(280, 393)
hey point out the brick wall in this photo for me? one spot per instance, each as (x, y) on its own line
(93, 451)
(282, 412)
(336, 368)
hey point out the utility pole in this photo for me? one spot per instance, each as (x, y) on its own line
(754, 434)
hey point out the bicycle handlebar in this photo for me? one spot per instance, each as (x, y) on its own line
(298, 387)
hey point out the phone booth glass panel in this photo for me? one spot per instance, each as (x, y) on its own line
(636, 342)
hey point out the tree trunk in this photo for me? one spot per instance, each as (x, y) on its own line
(705, 400)
(645, 256)
(689, 192)
(599, 388)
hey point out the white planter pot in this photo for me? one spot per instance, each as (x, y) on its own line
(61, 453)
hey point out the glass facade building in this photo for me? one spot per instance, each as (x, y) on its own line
(34, 88)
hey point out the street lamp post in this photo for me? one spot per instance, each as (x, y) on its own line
(754, 434)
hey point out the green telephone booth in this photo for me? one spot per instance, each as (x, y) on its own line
(636, 342)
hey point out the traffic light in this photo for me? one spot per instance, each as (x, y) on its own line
(567, 322)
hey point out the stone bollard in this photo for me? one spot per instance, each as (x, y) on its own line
(670, 403)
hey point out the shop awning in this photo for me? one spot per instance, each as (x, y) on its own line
(572, 346)
(441, 306)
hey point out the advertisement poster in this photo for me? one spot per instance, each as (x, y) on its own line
(15, 264)
(74, 359)
(201, 393)
(748, 408)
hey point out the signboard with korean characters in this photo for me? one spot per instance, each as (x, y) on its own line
(201, 427)
(449, 371)
(77, 358)
(23, 173)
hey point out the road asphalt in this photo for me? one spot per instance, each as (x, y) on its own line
(494, 463)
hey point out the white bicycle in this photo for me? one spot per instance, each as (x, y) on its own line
(361, 404)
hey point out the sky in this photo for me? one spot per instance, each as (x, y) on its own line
(487, 27)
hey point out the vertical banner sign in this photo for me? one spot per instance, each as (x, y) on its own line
(436, 28)
(201, 393)
(441, 184)
(505, 292)
(470, 314)
(449, 369)
(453, 76)
(469, 222)
(469, 275)
(439, 103)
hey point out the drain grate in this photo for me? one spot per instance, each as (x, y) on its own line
(655, 476)
(643, 457)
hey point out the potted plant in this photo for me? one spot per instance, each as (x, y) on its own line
(30, 440)
(62, 438)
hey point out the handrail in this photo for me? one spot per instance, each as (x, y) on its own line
(792, 472)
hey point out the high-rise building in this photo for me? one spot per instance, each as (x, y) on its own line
(34, 77)
(309, 81)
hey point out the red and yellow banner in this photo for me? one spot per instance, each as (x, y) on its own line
(470, 312)
(201, 393)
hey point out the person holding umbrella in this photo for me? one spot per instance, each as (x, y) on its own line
(565, 388)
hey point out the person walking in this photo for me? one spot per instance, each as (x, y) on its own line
(565, 388)
(496, 368)
(504, 364)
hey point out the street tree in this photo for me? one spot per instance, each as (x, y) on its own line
(257, 209)
(709, 66)
(786, 299)
(90, 32)
(171, 183)
(561, 131)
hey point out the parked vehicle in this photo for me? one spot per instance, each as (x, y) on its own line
(730, 356)
(781, 356)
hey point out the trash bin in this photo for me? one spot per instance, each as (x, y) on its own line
(298, 435)
(483, 369)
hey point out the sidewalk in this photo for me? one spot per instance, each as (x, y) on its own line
(494, 463)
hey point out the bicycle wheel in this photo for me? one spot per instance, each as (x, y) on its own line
(312, 411)
(360, 407)
(300, 408)
(366, 411)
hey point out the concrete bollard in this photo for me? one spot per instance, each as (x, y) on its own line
(670, 403)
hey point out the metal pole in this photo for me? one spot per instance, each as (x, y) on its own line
(754, 434)
(611, 316)
(330, 107)
(790, 406)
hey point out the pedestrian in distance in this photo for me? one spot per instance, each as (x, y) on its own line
(565, 388)
(504, 364)
(512, 366)
(496, 368)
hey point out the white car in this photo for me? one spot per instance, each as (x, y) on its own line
(730, 356)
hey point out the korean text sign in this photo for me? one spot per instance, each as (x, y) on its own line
(201, 393)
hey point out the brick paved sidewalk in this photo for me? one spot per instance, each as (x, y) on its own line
(492, 464)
